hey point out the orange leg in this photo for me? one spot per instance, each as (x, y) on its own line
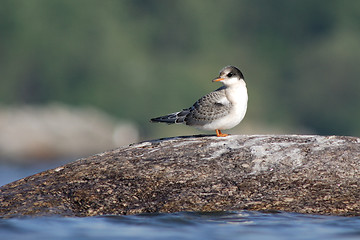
(220, 134)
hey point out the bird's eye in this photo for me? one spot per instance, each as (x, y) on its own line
(230, 74)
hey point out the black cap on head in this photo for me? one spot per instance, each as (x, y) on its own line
(230, 71)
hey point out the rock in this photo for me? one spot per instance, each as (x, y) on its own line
(304, 174)
(50, 132)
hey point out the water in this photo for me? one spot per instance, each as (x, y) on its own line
(221, 225)
(184, 225)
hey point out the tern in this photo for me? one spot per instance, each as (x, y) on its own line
(219, 110)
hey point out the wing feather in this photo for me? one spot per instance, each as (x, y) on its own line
(209, 108)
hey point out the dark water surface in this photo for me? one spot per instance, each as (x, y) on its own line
(220, 225)
(185, 225)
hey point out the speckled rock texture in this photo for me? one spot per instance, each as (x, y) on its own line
(304, 174)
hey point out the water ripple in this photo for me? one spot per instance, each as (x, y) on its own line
(185, 225)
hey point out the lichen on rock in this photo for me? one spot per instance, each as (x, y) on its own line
(305, 174)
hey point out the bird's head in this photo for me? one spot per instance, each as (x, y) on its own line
(230, 75)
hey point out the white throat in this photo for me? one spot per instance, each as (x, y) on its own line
(236, 92)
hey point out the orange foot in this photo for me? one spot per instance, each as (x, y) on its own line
(220, 134)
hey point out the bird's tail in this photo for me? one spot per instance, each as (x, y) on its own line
(177, 117)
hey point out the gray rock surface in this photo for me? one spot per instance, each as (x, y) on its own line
(305, 174)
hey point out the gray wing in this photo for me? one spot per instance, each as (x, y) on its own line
(177, 117)
(208, 108)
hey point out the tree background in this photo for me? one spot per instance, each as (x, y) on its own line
(137, 59)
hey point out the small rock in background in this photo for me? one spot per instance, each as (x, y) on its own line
(41, 133)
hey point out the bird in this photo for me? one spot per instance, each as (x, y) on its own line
(219, 110)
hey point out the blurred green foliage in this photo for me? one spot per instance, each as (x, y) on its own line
(137, 59)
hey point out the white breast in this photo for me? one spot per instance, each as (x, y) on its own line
(238, 97)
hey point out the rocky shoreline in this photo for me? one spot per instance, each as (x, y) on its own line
(295, 173)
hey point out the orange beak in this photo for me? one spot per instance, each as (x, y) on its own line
(218, 79)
